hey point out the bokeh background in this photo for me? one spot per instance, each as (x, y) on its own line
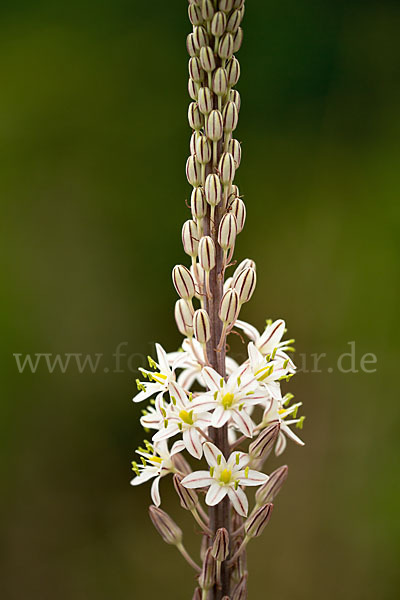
(94, 139)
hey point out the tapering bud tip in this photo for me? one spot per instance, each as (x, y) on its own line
(166, 527)
(183, 282)
(207, 253)
(245, 283)
(271, 488)
(207, 576)
(229, 307)
(255, 525)
(220, 547)
(201, 326)
(263, 444)
(188, 498)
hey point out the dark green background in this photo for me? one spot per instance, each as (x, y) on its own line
(94, 138)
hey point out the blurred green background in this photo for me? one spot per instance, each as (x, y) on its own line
(94, 140)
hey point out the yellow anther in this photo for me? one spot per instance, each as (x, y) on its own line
(159, 377)
(156, 459)
(225, 476)
(227, 400)
(186, 417)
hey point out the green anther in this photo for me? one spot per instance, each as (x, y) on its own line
(146, 429)
(246, 472)
(144, 412)
(285, 364)
(236, 484)
(221, 382)
(173, 399)
(215, 395)
(153, 402)
(219, 458)
(165, 423)
(299, 425)
(180, 426)
(190, 397)
(250, 393)
(163, 412)
(290, 349)
(237, 458)
(140, 386)
(152, 363)
(241, 406)
(239, 381)
(268, 357)
(273, 353)
(212, 469)
(294, 413)
(269, 321)
(143, 461)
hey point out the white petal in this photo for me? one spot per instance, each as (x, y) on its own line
(187, 378)
(144, 476)
(178, 446)
(255, 355)
(290, 434)
(192, 442)
(212, 379)
(280, 444)
(211, 453)
(151, 388)
(155, 491)
(215, 494)
(177, 392)
(241, 463)
(166, 432)
(220, 417)
(162, 359)
(252, 477)
(239, 501)
(197, 479)
(248, 329)
(271, 336)
(243, 422)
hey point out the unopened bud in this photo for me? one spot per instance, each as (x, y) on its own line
(263, 444)
(195, 118)
(183, 282)
(214, 125)
(227, 168)
(245, 284)
(197, 594)
(220, 82)
(200, 37)
(240, 590)
(207, 253)
(187, 497)
(184, 318)
(207, 576)
(205, 100)
(198, 203)
(237, 40)
(181, 463)
(229, 307)
(235, 148)
(218, 24)
(226, 5)
(193, 171)
(246, 263)
(225, 46)
(271, 488)
(201, 326)
(233, 71)
(230, 117)
(213, 189)
(166, 527)
(207, 59)
(220, 547)
(227, 231)
(234, 21)
(195, 16)
(191, 45)
(255, 524)
(234, 96)
(195, 70)
(238, 3)
(203, 149)
(193, 89)
(238, 209)
(207, 10)
(190, 237)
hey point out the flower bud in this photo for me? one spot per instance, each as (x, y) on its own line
(183, 282)
(198, 203)
(263, 444)
(214, 126)
(233, 71)
(201, 326)
(220, 547)
(200, 37)
(230, 117)
(192, 142)
(246, 263)
(235, 149)
(203, 150)
(193, 89)
(207, 575)
(218, 24)
(225, 46)
(207, 10)
(190, 237)
(184, 318)
(213, 189)
(240, 590)
(191, 45)
(207, 59)
(197, 594)
(234, 21)
(238, 209)
(245, 284)
(195, 70)
(193, 171)
(229, 307)
(195, 16)
(181, 463)
(226, 5)
(237, 40)
(187, 497)
(227, 168)
(238, 3)
(205, 100)
(271, 488)
(207, 253)
(234, 96)
(227, 232)
(195, 118)
(220, 82)
(166, 527)
(255, 524)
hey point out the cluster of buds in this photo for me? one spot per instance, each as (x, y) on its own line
(218, 423)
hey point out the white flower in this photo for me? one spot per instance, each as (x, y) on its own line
(157, 462)
(225, 478)
(270, 339)
(182, 417)
(159, 379)
(277, 412)
(229, 399)
(268, 371)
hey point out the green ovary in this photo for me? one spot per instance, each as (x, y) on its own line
(227, 400)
